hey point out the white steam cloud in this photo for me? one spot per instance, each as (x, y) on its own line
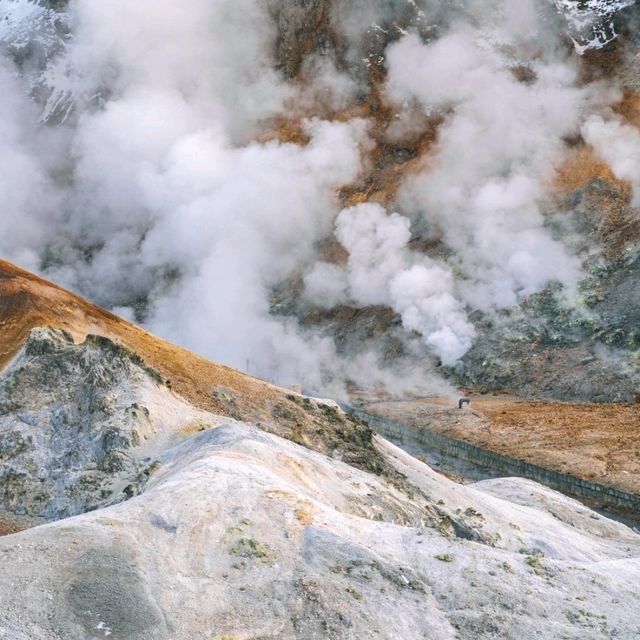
(381, 270)
(27, 197)
(159, 186)
(619, 146)
(495, 156)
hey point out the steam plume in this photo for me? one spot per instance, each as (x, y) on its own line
(159, 195)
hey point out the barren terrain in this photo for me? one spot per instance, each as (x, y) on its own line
(376, 200)
(165, 521)
(599, 442)
(28, 302)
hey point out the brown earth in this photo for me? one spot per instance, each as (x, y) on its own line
(620, 226)
(11, 523)
(27, 301)
(598, 442)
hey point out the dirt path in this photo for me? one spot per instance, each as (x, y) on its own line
(599, 442)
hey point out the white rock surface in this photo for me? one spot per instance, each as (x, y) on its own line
(241, 534)
(82, 426)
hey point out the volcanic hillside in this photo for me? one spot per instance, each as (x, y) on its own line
(28, 302)
(146, 516)
(395, 194)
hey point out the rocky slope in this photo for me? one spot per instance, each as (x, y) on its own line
(244, 535)
(146, 492)
(74, 420)
(546, 347)
(169, 521)
(28, 302)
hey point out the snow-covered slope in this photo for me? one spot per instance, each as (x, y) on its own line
(592, 22)
(35, 35)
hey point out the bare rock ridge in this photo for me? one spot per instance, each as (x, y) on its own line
(28, 302)
(165, 520)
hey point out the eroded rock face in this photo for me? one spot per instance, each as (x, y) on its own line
(353, 34)
(35, 35)
(303, 26)
(73, 425)
(244, 534)
(356, 33)
(546, 350)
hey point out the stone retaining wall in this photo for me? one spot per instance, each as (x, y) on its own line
(500, 463)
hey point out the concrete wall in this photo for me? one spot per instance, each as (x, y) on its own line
(501, 464)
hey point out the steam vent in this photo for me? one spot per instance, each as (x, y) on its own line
(319, 320)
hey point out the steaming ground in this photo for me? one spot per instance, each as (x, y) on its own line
(183, 164)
